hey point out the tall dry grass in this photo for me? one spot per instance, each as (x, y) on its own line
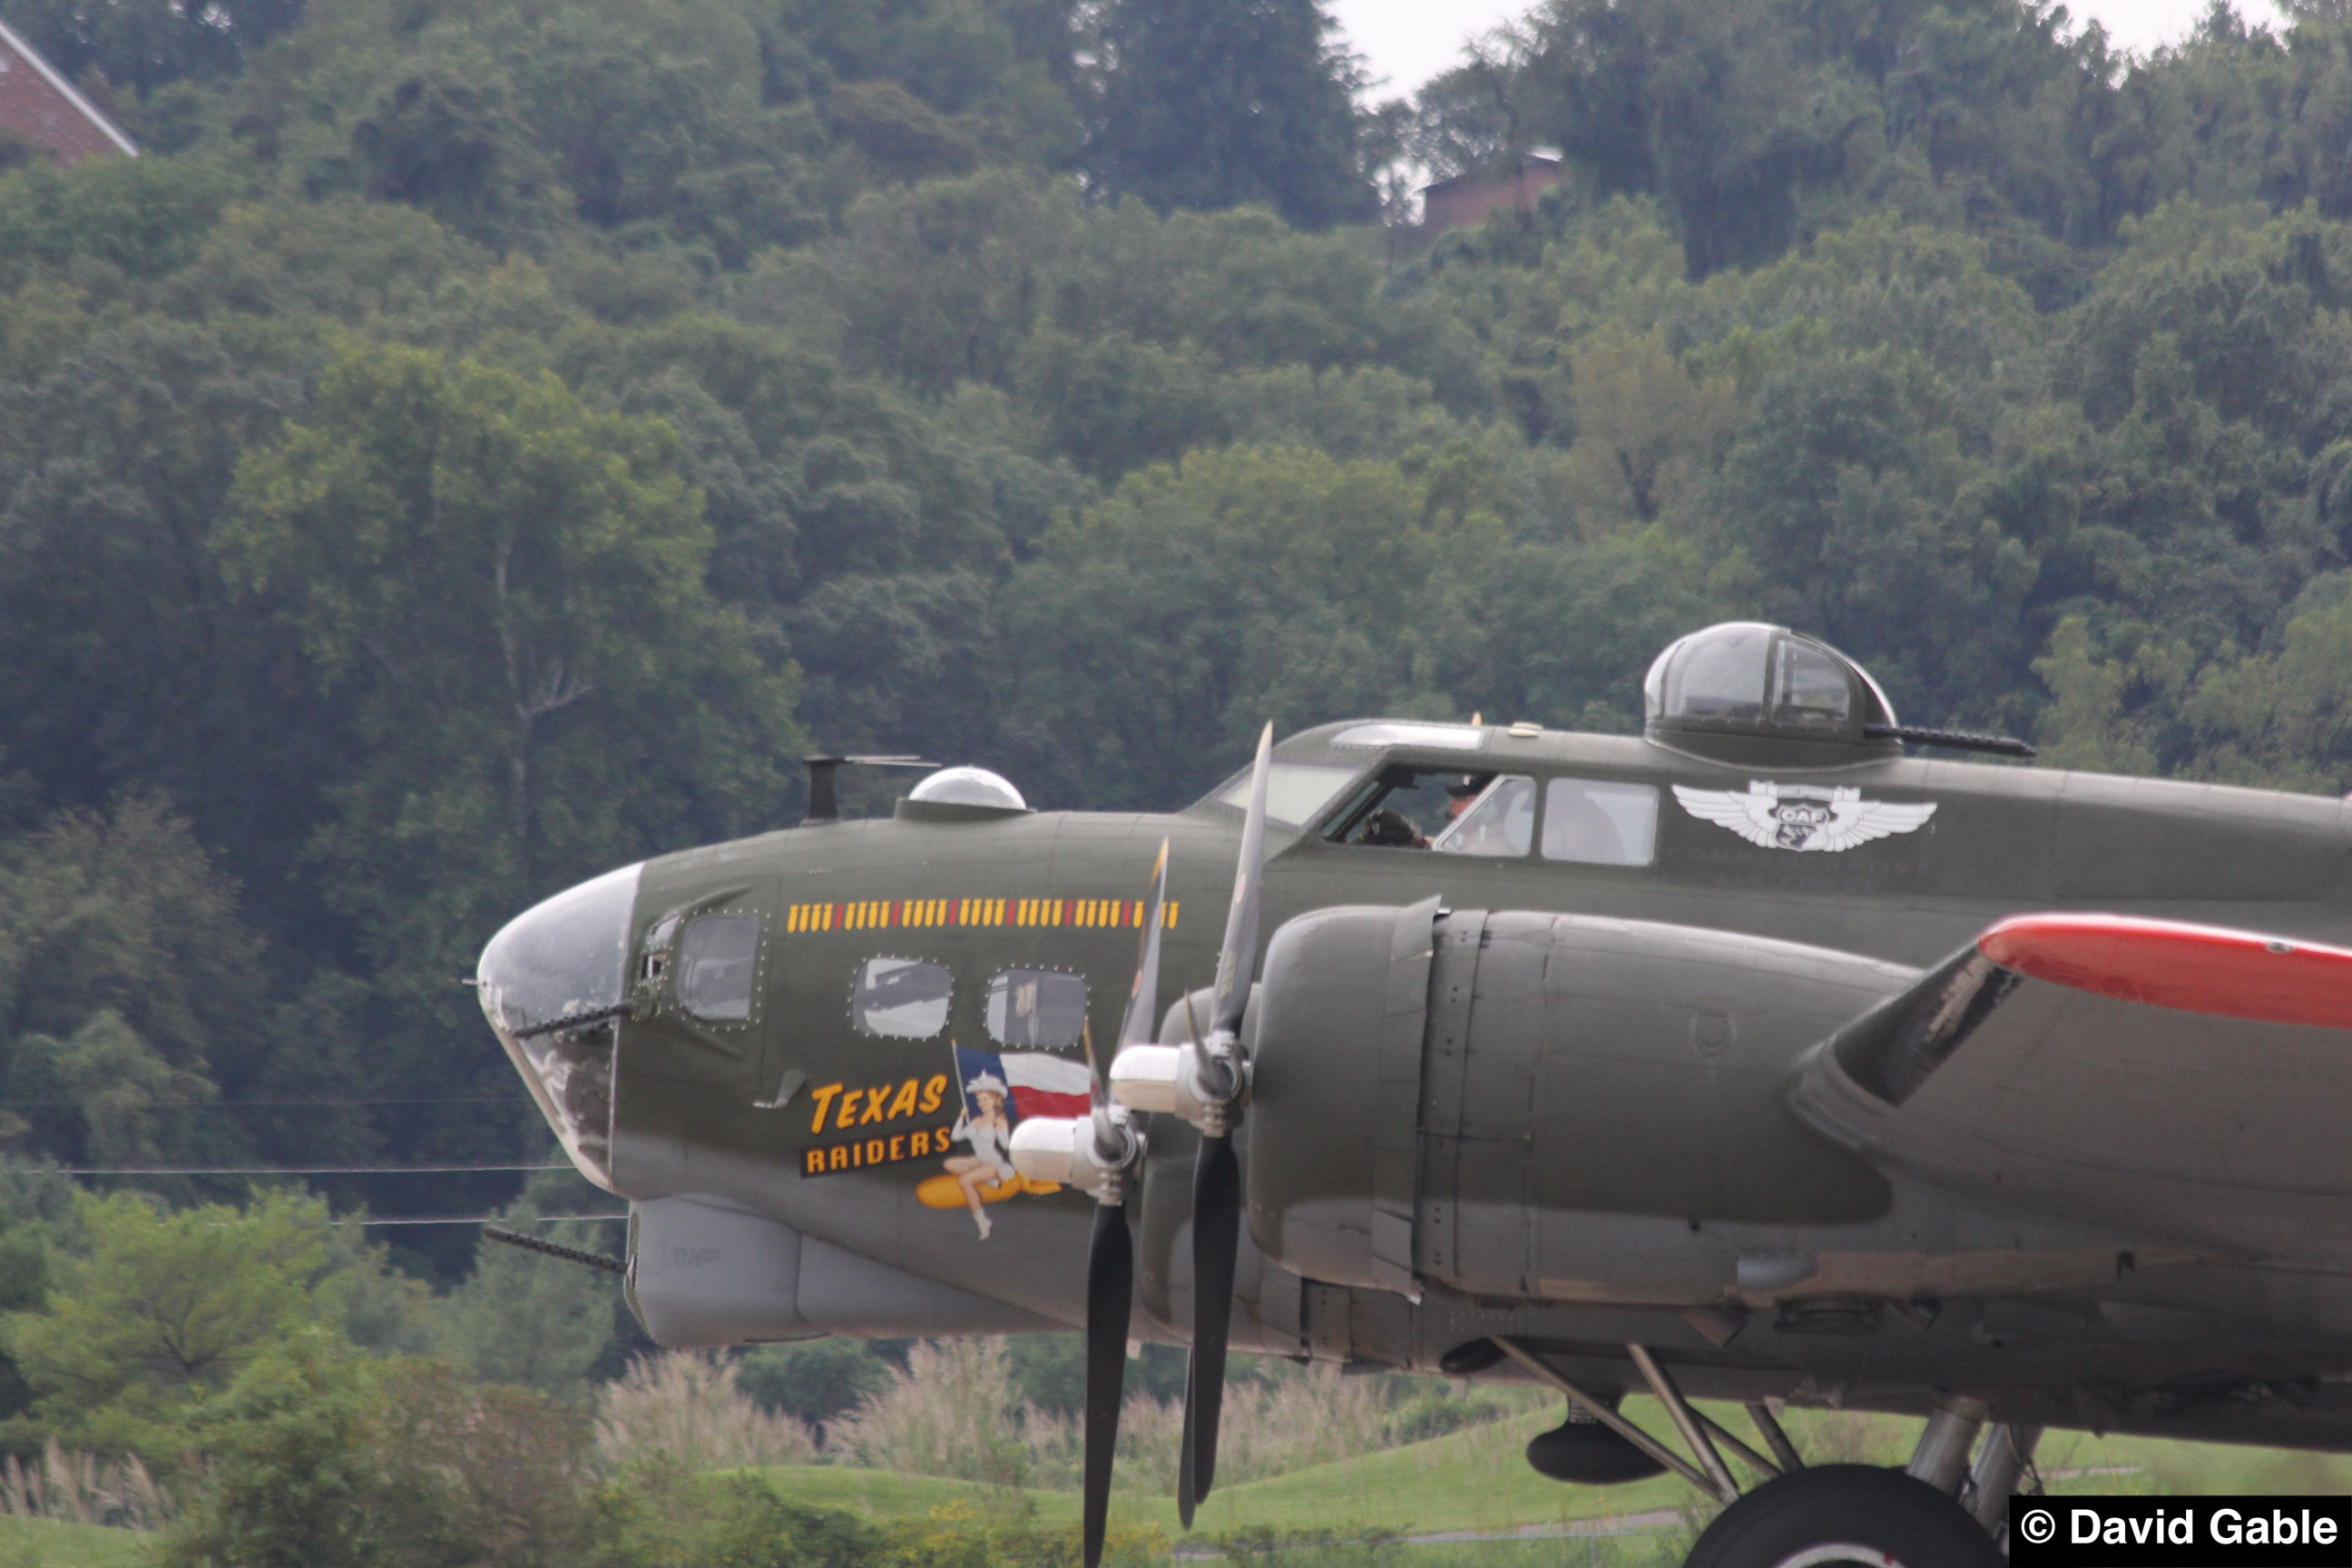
(684, 1405)
(953, 1412)
(78, 1487)
(1294, 1418)
(956, 1412)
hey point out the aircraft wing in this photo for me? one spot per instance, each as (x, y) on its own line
(2187, 1080)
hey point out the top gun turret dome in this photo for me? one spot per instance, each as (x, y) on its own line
(1760, 695)
(970, 787)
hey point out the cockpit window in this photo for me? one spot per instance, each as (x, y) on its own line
(1599, 823)
(901, 998)
(1809, 687)
(1406, 807)
(1036, 1007)
(718, 961)
(1501, 821)
(1295, 792)
(1439, 737)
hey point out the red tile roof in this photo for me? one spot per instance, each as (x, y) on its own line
(39, 104)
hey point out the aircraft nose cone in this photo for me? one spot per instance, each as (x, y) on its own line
(565, 963)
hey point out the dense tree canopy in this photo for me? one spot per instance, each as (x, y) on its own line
(161, 1314)
(1212, 103)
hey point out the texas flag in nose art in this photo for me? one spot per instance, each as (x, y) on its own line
(1040, 1085)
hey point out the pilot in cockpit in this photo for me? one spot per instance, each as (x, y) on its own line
(1464, 833)
(1404, 806)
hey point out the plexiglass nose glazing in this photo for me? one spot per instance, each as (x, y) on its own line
(566, 959)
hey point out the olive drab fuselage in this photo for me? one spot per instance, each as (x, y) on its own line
(1584, 1137)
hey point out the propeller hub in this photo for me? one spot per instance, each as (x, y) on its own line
(1195, 1083)
(1101, 1154)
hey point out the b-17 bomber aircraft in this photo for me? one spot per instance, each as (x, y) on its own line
(1754, 1059)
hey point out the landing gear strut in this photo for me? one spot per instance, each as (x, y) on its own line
(1941, 1510)
(1938, 1511)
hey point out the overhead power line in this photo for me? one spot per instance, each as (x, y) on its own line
(482, 1219)
(279, 1170)
(267, 1104)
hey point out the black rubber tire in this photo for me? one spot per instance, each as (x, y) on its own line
(1887, 1516)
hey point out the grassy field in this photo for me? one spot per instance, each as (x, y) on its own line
(1476, 1482)
(39, 1544)
(1472, 1482)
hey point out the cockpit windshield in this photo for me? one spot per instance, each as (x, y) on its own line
(1295, 792)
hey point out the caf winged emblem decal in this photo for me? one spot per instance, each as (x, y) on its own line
(1803, 816)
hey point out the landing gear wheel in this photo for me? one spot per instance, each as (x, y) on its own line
(1844, 1515)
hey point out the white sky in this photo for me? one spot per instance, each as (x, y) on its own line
(1408, 41)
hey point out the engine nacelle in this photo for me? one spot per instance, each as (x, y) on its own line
(1475, 1098)
(1340, 1020)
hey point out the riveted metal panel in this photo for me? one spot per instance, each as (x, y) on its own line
(1325, 1323)
(1457, 940)
(1396, 1142)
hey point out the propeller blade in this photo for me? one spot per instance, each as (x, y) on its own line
(1185, 1501)
(1216, 1174)
(1216, 1244)
(1140, 1024)
(1097, 1093)
(1110, 1292)
(1110, 1259)
(1237, 959)
(1186, 1498)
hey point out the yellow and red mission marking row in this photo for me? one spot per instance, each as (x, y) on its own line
(876, 914)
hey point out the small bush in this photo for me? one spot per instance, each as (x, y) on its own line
(659, 1515)
(961, 1535)
(1433, 1412)
(321, 1455)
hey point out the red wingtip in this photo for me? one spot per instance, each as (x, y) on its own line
(2167, 963)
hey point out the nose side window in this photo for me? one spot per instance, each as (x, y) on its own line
(1036, 1007)
(718, 961)
(1599, 823)
(901, 998)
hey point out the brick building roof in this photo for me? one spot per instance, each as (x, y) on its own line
(1466, 199)
(42, 106)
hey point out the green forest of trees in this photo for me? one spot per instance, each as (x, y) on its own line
(485, 441)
